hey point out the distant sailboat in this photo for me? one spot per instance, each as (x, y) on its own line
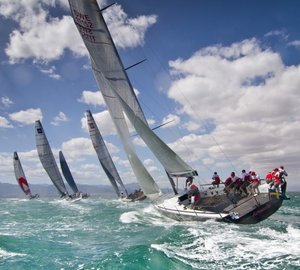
(107, 162)
(69, 177)
(48, 161)
(119, 97)
(21, 179)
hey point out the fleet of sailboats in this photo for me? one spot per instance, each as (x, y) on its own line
(21, 179)
(120, 98)
(216, 203)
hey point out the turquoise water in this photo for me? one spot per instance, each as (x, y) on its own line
(108, 234)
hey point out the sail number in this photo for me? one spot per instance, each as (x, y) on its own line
(85, 26)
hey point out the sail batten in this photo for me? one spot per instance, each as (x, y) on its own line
(47, 159)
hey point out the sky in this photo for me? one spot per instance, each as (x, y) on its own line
(226, 73)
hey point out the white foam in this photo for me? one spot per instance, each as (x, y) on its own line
(4, 254)
(130, 217)
(147, 216)
(238, 247)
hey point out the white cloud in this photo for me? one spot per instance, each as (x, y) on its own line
(191, 125)
(27, 117)
(51, 72)
(138, 141)
(93, 98)
(78, 148)
(103, 121)
(149, 164)
(127, 32)
(4, 123)
(6, 102)
(170, 120)
(295, 43)
(33, 39)
(251, 98)
(61, 117)
(280, 33)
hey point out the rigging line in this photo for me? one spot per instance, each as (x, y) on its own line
(221, 150)
(170, 111)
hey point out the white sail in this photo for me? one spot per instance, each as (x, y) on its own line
(173, 164)
(105, 59)
(47, 159)
(20, 176)
(103, 154)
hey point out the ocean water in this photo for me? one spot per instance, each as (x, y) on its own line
(108, 234)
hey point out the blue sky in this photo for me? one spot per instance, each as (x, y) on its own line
(226, 72)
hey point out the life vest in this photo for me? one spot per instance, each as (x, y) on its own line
(216, 179)
(269, 176)
(228, 181)
(194, 191)
(255, 180)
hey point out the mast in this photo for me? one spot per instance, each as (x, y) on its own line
(47, 159)
(105, 60)
(67, 173)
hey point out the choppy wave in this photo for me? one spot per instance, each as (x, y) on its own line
(110, 234)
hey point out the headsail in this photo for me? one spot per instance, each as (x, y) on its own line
(105, 59)
(20, 176)
(47, 159)
(172, 163)
(67, 173)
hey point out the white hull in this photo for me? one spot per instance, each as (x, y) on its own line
(172, 209)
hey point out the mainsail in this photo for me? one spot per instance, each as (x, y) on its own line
(103, 155)
(105, 60)
(47, 159)
(20, 176)
(67, 173)
(115, 85)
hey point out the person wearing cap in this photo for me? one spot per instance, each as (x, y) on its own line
(246, 181)
(216, 179)
(193, 192)
(236, 182)
(277, 180)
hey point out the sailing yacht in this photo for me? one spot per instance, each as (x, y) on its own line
(21, 179)
(108, 164)
(120, 98)
(48, 161)
(69, 178)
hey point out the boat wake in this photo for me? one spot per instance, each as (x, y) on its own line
(207, 248)
(147, 216)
